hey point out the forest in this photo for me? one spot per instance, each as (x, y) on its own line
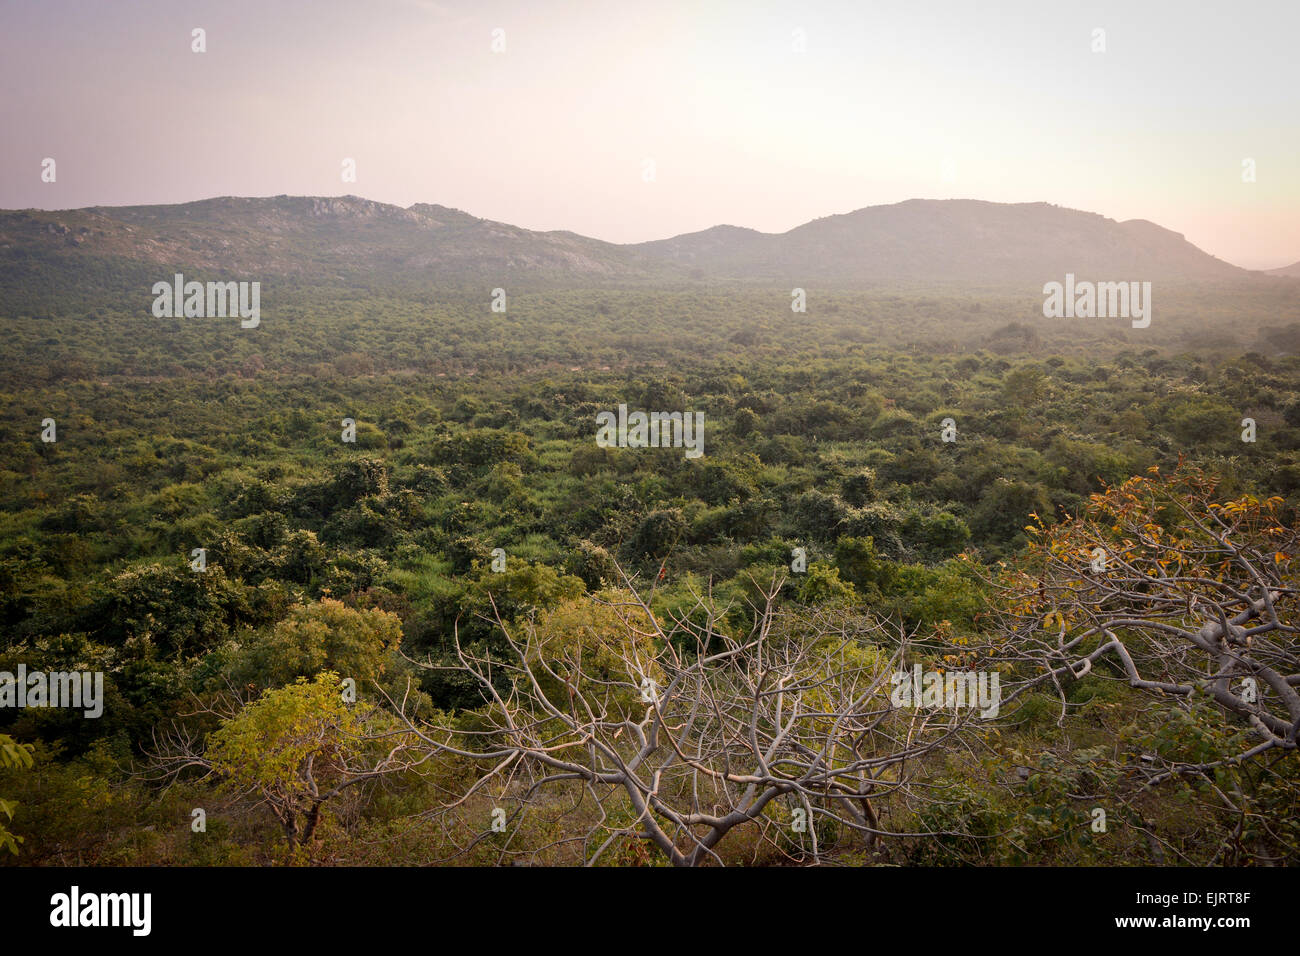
(364, 588)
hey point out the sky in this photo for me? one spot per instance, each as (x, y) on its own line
(628, 120)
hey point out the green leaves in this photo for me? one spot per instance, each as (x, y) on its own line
(12, 754)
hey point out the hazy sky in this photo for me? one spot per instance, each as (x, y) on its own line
(889, 101)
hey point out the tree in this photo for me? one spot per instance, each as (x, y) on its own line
(1192, 599)
(860, 488)
(295, 750)
(322, 635)
(1024, 387)
(683, 733)
(12, 754)
(656, 535)
(171, 607)
(1006, 501)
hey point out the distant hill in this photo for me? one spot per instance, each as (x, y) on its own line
(361, 242)
(1293, 271)
(950, 239)
(309, 236)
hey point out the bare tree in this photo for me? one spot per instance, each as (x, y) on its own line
(698, 729)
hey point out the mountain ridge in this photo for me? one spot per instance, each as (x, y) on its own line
(928, 240)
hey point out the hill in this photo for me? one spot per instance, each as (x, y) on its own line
(956, 239)
(78, 257)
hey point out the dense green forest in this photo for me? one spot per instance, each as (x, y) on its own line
(475, 521)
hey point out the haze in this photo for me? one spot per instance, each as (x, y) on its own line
(888, 101)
